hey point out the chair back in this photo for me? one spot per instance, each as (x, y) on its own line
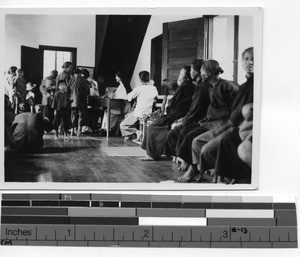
(162, 102)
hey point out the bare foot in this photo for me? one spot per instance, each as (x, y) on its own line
(190, 175)
(230, 181)
(198, 177)
(183, 166)
(66, 138)
(56, 138)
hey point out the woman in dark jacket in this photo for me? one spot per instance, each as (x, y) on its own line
(154, 138)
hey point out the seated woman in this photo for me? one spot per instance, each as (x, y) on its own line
(156, 134)
(144, 95)
(198, 110)
(221, 94)
(205, 146)
(116, 113)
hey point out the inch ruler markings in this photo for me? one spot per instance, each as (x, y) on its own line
(148, 220)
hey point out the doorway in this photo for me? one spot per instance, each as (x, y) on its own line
(156, 61)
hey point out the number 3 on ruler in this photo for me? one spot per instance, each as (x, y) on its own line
(225, 234)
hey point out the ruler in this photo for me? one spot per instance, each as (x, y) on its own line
(132, 220)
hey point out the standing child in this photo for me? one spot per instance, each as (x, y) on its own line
(30, 96)
(19, 89)
(61, 105)
(11, 73)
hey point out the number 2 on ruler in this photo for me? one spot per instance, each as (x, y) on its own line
(146, 233)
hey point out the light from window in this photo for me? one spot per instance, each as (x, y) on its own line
(54, 60)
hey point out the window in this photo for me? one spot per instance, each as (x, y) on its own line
(55, 57)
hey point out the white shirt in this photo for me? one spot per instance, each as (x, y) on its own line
(120, 93)
(93, 87)
(29, 94)
(145, 95)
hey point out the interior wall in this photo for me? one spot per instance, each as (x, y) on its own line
(223, 32)
(154, 29)
(245, 40)
(223, 52)
(19, 30)
(223, 44)
(56, 30)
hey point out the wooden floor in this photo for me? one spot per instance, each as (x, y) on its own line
(87, 159)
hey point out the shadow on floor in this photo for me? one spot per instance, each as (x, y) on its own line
(48, 150)
(65, 149)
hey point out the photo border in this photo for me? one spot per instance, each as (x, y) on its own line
(256, 12)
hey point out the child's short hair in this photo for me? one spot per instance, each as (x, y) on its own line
(85, 73)
(24, 107)
(144, 76)
(61, 82)
(12, 70)
(20, 72)
(77, 71)
(54, 73)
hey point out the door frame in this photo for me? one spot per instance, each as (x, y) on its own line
(157, 40)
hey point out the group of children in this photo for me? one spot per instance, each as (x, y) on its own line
(18, 90)
(64, 97)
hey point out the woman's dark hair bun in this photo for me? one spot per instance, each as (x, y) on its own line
(220, 70)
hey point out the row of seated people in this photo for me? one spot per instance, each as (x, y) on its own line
(215, 130)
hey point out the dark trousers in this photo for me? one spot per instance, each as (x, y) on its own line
(94, 114)
(61, 115)
(78, 117)
(170, 144)
(175, 138)
(228, 163)
(184, 150)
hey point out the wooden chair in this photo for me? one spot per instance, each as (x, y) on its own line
(161, 102)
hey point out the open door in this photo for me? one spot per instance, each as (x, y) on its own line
(183, 41)
(156, 54)
(32, 64)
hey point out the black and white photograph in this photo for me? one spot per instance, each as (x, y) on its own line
(162, 98)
